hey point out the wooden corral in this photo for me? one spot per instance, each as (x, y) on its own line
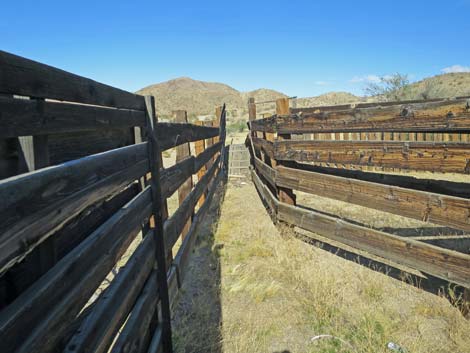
(288, 155)
(83, 184)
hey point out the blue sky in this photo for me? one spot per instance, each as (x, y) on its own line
(302, 48)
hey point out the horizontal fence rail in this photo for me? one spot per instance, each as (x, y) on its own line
(86, 241)
(311, 150)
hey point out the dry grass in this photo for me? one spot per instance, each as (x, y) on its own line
(252, 289)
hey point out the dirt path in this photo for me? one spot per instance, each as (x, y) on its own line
(252, 289)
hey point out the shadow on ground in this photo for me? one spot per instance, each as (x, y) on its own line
(197, 316)
(454, 293)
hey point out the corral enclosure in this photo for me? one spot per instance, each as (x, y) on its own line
(91, 259)
(86, 241)
(363, 155)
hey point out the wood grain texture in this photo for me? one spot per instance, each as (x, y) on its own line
(170, 135)
(430, 156)
(134, 336)
(437, 186)
(183, 151)
(25, 77)
(97, 332)
(36, 204)
(440, 209)
(440, 116)
(266, 171)
(263, 145)
(160, 213)
(449, 265)
(199, 147)
(175, 224)
(358, 105)
(24, 117)
(47, 308)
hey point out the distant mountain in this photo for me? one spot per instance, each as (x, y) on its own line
(196, 97)
(201, 98)
(440, 86)
(330, 98)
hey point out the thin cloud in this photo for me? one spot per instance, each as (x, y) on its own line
(455, 68)
(322, 83)
(366, 78)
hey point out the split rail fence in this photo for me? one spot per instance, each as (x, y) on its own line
(84, 191)
(320, 151)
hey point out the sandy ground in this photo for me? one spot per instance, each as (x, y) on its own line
(253, 288)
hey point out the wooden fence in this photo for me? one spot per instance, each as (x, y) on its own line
(283, 162)
(83, 192)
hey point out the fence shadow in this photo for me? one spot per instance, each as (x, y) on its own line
(199, 303)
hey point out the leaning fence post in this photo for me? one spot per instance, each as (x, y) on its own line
(285, 195)
(157, 211)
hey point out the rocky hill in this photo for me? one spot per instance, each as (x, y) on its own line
(200, 98)
(440, 86)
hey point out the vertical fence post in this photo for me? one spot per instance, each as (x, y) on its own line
(199, 147)
(183, 151)
(216, 123)
(285, 195)
(222, 124)
(155, 162)
(209, 142)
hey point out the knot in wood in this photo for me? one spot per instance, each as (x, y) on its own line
(407, 112)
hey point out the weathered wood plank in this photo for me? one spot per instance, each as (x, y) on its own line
(25, 77)
(358, 105)
(23, 117)
(182, 257)
(263, 145)
(25, 273)
(199, 147)
(444, 115)
(97, 332)
(183, 151)
(265, 193)
(440, 209)
(444, 187)
(430, 156)
(160, 213)
(47, 308)
(174, 225)
(64, 147)
(35, 204)
(460, 243)
(449, 265)
(266, 171)
(170, 135)
(173, 177)
(134, 336)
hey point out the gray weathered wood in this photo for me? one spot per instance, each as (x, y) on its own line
(429, 156)
(158, 209)
(134, 336)
(435, 208)
(174, 176)
(35, 204)
(175, 224)
(52, 303)
(445, 187)
(449, 265)
(170, 135)
(98, 330)
(22, 117)
(26, 77)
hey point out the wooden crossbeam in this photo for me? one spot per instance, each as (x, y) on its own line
(430, 156)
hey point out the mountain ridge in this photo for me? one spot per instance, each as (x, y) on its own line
(201, 97)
